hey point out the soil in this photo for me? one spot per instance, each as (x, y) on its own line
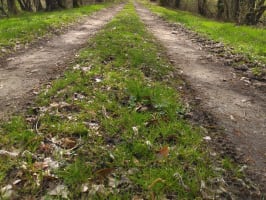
(22, 74)
(237, 106)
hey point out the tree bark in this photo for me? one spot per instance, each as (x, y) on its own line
(2, 9)
(12, 8)
(75, 3)
(38, 5)
(255, 10)
(53, 4)
(202, 7)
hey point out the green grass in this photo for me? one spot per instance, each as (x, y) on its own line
(28, 26)
(250, 41)
(124, 119)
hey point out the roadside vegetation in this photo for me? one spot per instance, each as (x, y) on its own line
(248, 40)
(22, 29)
(111, 127)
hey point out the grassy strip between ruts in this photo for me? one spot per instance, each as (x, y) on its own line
(248, 40)
(111, 128)
(24, 28)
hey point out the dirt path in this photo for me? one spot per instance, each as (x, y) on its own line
(21, 74)
(239, 108)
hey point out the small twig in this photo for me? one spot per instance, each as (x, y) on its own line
(8, 153)
(36, 126)
(177, 175)
(105, 112)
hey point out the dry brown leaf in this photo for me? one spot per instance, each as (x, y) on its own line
(163, 152)
(40, 165)
(136, 161)
(136, 197)
(59, 190)
(141, 108)
(45, 148)
(103, 173)
(68, 143)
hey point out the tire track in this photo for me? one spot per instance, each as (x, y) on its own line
(22, 74)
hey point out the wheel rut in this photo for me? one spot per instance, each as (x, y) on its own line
(21, 75)
(237, 107)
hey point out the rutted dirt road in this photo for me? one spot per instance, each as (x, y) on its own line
(238, 108)
(21, 74)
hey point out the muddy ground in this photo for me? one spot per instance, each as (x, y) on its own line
(228, 98)
(22, 74)
(238, 107)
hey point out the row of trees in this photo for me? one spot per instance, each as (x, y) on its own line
(241, 11)
(12, 6)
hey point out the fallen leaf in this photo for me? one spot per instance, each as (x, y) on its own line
(59, 190)
(232, 118)
(112, 182)
(40, 165)
(97, 189)
(136, 197)
(141, 108)
(92, 125)
(8, 153)
(136, 161)
(148, 143)
(135, 130)
(103, 173)
(51, 163)
(68, 143)
(98, 80)
(17, 181)
(112, 156)
(7, 192)
(86, 69)
(45, 148)
(77, 66)
(84, 187)
(207, 138)
(78, 96)
(163, 152)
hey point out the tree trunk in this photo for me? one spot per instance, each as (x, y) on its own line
(253, 11)
(2, 9)
(220, 9)
(177, 3)
(27, 5)
(75, 3)
(53, 4)
(12, 8)
(202, 7)
(38, 5)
